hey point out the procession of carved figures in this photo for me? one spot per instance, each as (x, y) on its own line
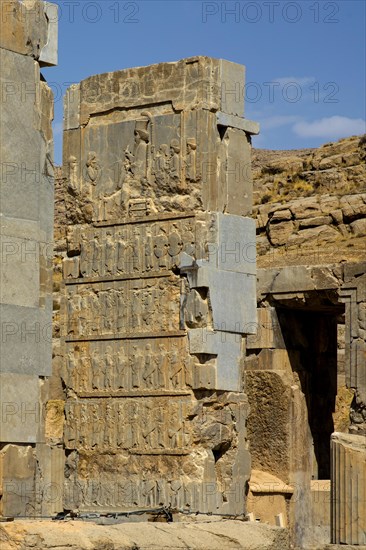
(152, 493)
(157, 364)
(144, 164)
(135, 248)
(123, 307)
(141, 426)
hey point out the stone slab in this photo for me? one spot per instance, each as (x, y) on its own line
(25, 26)
(22, 152)
(236, 244)
(269, 333)
(230, 314)
(26, 340)
(49, 53)
(19, 271)
(226, 242)
(21, 414)
(205, 535)
(227, 347)
(72, 108)
(17, 474)
(295, 279)
(193, 83)
(233, 121)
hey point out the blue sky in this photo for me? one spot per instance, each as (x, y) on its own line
(305, 60)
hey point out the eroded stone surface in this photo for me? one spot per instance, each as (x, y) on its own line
(28, 41)
(141, 536)
(160, 250)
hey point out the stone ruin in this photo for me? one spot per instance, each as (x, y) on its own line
(190, 374)
(153, 333)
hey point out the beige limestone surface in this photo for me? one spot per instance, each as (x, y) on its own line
(76, 535)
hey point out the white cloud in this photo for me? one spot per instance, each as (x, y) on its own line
(333, 127)
(277, 121)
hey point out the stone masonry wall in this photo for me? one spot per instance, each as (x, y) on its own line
(28, 41)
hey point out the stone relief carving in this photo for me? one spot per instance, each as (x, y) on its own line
(142, 248)
(143, 427)
(129, 366)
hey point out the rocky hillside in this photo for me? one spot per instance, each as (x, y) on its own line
(332, 168)
(310, 204)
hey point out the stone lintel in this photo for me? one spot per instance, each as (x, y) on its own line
(234, 121)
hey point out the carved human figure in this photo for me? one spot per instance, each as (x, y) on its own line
(136, 250)
(148, 492)
(73, 309)
(160, 359)
(96, 256)
(135, 360)
(176, 367)
(161, 166)
(103, 373)
(84, 372)
(120, 426)
(191, 160)
(189, 239)
(148, 251)
(92, 168)
(174, 430)
(95, 425)
(176, 490)
(109, 263)
(83, 315)
(94, 313)
(136, 311)
(71, 427)
(121, 370)
(95, 367)
(148, 428)
(140, 150)
(71, 370)
(109, 368)
(148, 307)
(86, 258)
(160, 428)
(121, 310)
(109, 426)
(95, 492)
(107, 302)
(174, 164)
(121, 253)
(149, 368)
(83, 438)
(132, 426)
(73, 174)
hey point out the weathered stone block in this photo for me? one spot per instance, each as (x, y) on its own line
(27, 28)
(26, 340)
(348, 489)
(21, 419)
(280, 233)
(358, 228)
(17, 468)
(268, 333)
(227, 348)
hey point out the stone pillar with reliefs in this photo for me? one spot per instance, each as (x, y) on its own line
(159, 288)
